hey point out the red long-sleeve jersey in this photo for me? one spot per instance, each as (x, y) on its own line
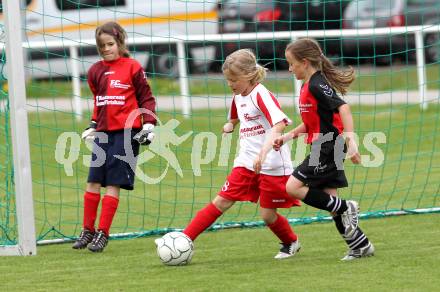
(119, 88)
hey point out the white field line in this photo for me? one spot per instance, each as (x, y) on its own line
(217, 102)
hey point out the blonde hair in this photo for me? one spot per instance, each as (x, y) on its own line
(310, 50)
(242, 64)
(117, 32)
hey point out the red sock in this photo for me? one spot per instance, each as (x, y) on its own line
(204, 218)
(283, 230)
(108, 210)
(91, 202)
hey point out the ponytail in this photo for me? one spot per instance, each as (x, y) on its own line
(260, 74)
(339, 79)
(243, 64)
(309, 49)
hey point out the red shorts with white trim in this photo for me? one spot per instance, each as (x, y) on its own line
(243, 184)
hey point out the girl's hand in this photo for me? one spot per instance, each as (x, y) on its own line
(258, 163)
(353, 151)
(277, 143)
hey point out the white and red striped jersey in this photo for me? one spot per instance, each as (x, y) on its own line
(258, 112)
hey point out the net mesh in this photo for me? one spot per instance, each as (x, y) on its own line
(190, 159)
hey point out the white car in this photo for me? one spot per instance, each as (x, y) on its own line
(76, 20)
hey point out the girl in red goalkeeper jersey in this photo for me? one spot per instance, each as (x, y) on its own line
(123, 118)
(325, 117)
(259, 173)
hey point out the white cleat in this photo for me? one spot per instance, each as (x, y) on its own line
(350, 218)
(288, 250)
(363, 252)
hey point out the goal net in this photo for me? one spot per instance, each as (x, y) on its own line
(181, 44)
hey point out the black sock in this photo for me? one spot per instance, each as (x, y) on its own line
(319, 199)
(338, 222)
(357, 240)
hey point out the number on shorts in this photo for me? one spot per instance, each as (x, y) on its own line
(225, 186)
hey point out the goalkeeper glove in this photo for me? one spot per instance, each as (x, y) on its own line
(89, 132)
(146, 135)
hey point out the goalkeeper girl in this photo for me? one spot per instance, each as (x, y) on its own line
(123, 117)
(325, 117)
(259, 172)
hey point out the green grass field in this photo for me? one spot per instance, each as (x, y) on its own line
(368, 80)
(407, 179)
(407, 246)
(407, 256)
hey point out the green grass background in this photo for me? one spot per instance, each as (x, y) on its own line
(407, 246)
(407, 256)
(407, 179)
(369, 79)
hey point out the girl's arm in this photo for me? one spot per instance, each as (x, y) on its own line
(279, 141)
(144, 96)
(93, 90)
(347, 121)
(275, 133)
(89, 132)
(301, 128)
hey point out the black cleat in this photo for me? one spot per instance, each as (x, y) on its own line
(84, 239)
(98, 243)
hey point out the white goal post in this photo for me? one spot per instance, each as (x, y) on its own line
(26, 243)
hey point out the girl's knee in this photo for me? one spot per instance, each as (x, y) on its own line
(93, 187)
(269, 216)
(222, 204)
(269, 220)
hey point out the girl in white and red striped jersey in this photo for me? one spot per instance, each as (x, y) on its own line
(259, 173)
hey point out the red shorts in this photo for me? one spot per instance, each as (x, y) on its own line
(243, 184)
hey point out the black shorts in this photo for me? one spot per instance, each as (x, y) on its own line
(106, 168)
(323, 171)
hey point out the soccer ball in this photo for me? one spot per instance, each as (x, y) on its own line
(175, 249)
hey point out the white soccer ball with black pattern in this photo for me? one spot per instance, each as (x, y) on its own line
(175, 249)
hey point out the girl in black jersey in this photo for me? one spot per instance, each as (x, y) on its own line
(325, 118)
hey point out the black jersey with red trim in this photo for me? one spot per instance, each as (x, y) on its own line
(318, 104)
(119, 88)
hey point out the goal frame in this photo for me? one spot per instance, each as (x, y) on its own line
(24, 215)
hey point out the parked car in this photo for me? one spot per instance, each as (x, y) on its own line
(237, 16)
(59, 20)
(391, 13)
